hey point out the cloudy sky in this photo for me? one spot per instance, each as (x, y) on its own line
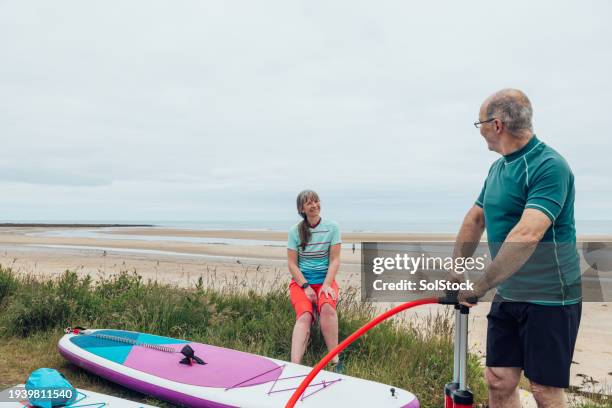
(202, 110)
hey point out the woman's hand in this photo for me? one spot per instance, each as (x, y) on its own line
(326, 290)
(311, 294)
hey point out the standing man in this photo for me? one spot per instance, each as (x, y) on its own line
(527, 208)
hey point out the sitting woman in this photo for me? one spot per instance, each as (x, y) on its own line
(314, 259)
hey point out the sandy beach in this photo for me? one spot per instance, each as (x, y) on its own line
(256, 259)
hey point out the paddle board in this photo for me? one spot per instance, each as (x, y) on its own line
(85, 398)
(151, 365)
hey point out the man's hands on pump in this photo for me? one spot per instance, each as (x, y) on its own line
(480, 289)
(518, 246)
(466, 296)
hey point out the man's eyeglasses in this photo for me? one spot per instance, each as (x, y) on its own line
(478, 124)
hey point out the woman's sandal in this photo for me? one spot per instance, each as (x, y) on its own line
(338, 367)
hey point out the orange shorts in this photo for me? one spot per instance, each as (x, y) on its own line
(302, 304)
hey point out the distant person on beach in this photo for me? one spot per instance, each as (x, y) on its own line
(527, 208)
(313, 251)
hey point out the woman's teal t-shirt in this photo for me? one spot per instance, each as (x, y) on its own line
(313, 261)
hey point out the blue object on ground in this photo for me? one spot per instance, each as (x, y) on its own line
(49, 388)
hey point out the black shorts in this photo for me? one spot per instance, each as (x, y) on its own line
(539, 339)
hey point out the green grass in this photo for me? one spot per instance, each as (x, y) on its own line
(34, 313)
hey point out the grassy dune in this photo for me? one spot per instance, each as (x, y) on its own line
(33, 314)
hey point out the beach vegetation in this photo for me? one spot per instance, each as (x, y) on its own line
(414, 354)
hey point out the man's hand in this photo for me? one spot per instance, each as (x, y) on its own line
(479, 291)
(311, 294)
(326, 290)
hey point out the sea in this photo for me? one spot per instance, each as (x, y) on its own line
(599, 227)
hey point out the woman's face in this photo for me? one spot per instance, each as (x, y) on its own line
(312, 208)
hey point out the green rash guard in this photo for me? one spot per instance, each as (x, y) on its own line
(537, 177)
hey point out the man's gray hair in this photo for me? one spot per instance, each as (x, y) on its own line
(512, 107)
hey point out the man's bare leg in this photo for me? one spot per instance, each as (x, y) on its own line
(503, 383)
(548, 397)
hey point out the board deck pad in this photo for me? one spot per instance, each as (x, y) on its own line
(224, 368)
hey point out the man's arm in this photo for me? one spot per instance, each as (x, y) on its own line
(468, 237)
(470, 233)
(519, 245)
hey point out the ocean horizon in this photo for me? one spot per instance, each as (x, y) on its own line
(408, 226)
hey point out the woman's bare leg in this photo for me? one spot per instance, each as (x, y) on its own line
(301, 334)
(329, 327)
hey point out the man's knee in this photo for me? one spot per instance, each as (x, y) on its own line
(544, 394)
(502, 379)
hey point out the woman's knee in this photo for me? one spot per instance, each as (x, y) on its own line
(502, 378)
(305, 319)
(327, 312)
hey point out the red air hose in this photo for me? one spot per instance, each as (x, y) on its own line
(315, 370)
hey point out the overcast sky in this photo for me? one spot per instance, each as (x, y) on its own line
(225, 110)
